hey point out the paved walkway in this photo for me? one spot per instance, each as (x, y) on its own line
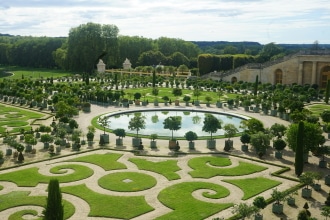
(82, 208)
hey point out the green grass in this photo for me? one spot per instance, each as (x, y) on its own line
(13, 119)
(106, 161)
(179, 198)
(127, 182)
(317, 109)
(163, 91)
(19, 215)
(33, 72)
(31, 177)
(166, 168)
(108, 206)
(201, 169)
(22, 198)
(253, 186)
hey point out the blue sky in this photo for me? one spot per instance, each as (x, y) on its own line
(263, 21)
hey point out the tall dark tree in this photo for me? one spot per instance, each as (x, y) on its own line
(87, 43)
(54, 209)
(255, 91)
(327, 91)
(299, 156)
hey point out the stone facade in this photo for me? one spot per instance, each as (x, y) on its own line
(305, 67)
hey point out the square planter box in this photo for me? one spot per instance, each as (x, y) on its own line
(244, 147)
(306, 193)
(210, 144)
(105, 138)
(277, 208)
(278, 155)
(323, 164)
(327, 179)
(136, 142)
(191, 145)
(119, 142)
(153, 144)
(291, 201)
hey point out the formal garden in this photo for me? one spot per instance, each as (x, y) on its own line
(42, 125)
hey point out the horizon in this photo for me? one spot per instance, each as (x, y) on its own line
(261, 21)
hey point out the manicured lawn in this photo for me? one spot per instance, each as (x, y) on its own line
(20, 214)
(179, 198)
(31, 177)
(166, 168)
(123, 207)
(106, 161)
(253, 186)
(163, 91)
(33, 72)
(127, 182)
(13, 119)
(117, 201)
(201, 169)
(317, 109)
(21, 198)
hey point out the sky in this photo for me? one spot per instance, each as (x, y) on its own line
(263, 21)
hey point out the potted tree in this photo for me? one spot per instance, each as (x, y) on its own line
(46, 139)
(90, 135)
(120, 133)
(137, 97)
(279, 145)
(153, 142)
(137, 123)
(2, 160)
(30, 140)
(219, 93)
(20, 149)
(317, 177)
(208, 100)
(322, 151)
(172, 123)
(191, 136)
(243, 210)
(104, 122)
(211, 125)
(307, 179)
(291, 199)
(165, 98)
(277, 205)
(177, 92)
(245, 139)
(260, 141)
(196, 93)
(230, 131)
(260, 203)
(186, 99)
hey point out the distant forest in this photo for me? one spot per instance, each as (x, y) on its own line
(87, 43)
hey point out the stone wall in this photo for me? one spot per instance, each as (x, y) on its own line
(300, 69)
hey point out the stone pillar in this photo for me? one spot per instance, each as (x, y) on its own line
(314, 72)
(300, 73)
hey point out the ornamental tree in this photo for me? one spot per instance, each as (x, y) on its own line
(211, 124)
(137, 123)
(172, 123)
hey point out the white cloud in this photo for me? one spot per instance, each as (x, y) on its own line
(263, 21)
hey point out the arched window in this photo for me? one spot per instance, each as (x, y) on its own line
(233, 79)
(278, 76)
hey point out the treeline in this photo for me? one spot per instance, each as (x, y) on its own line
(209, 62)
(87, 43)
